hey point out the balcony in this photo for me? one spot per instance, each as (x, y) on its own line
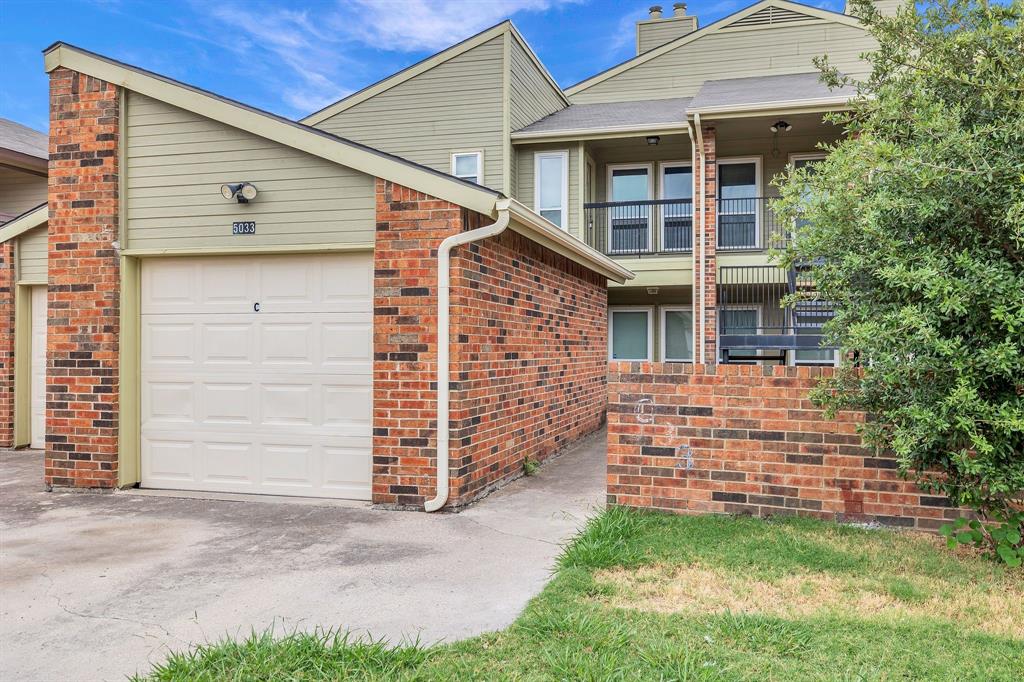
(753, 326)
(639, 228)
(750, 225)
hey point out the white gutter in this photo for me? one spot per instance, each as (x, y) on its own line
(700, 144)
(443, 341)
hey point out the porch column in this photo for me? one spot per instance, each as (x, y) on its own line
(708, 269)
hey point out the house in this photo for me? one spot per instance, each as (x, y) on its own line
(23, 160)
(407, 293)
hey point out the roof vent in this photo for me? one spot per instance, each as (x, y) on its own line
(679, 9)
(655, 11)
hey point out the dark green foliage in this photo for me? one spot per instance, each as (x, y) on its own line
(917, 217)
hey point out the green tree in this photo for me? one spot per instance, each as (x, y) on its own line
(914, 225)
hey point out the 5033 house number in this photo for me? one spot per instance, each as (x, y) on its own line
(243, 227)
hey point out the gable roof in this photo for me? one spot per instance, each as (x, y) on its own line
(429, 63)
(730, 21)
(24, 140)
(758, 92)
(610, 116)
(273, 127)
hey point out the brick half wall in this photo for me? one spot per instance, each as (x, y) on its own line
(746, 439)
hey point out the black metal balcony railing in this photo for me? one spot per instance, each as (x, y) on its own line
(750, 224)
(624, 228)
(750, 319)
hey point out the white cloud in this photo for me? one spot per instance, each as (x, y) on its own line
(416, 25)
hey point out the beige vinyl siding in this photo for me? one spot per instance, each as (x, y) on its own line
(19, 191)
(524, 166)
(177, 161)
(762, 51)
(531, 97)
(31, 249)
(455, 106)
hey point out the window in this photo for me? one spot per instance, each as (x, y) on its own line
(551, 186)
(739, 189)
(741, 320)
(677, 334)
(468, 166)
(629, 225)
(805, 161)
(677, 218)
(629, 333)
(806, 324)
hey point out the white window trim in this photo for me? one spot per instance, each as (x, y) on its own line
(563, 154)
(806, 156)
(610, 169)
(758, 308)
(479, 154)
(649, 309)
(663, 312)
(756, 160)
(662, 166)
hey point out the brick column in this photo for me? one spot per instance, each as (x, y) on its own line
(410, 226)
(7, 344)
(709, 233)
(84, 282)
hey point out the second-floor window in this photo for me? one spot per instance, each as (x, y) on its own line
(468, 166)
(551, 186)
(739, 203)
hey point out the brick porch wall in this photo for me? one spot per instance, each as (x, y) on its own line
(747, 440)
(84, 284)
(529, 354)
(7, 344)
(708, 272)
(528, 351)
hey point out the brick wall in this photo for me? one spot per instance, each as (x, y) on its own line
(529, 354)
(746, 440)
(82, 327)
(7, 344)
(528, 351)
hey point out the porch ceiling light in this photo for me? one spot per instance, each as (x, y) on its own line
(653, 139)
(244, 192)
(781, 125)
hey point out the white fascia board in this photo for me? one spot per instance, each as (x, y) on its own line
(597, 133)
(536, 228)
(266, 125)
(25, 222)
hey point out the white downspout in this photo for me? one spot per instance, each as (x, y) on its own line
(693, 254)
(703, 279)
(443, 341)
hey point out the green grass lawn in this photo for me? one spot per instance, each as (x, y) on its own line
(642, 596)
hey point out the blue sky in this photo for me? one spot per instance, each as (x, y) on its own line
(293, 57)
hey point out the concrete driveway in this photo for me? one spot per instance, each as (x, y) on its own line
(98, 586)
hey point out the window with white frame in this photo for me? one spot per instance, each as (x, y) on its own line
(739, 203)
(629, 223)
(629, 332)
(468, 166)
(742, 320)
(677, 333)
(677, 217)
(551, 186)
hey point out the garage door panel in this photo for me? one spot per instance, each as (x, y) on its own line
(277, 401)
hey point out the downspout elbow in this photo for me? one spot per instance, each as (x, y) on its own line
(444, 342)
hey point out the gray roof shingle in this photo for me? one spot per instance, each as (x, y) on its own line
(24, 140)
(733, 92)
(652, 112)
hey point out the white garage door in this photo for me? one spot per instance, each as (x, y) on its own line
(256, 374)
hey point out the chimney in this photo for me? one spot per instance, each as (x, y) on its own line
(658, 30)
(885, 7)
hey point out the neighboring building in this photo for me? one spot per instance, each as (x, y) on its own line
(614, 160)
(286, 337)
(23, 159)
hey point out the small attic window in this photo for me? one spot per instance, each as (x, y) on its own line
(467, 165)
